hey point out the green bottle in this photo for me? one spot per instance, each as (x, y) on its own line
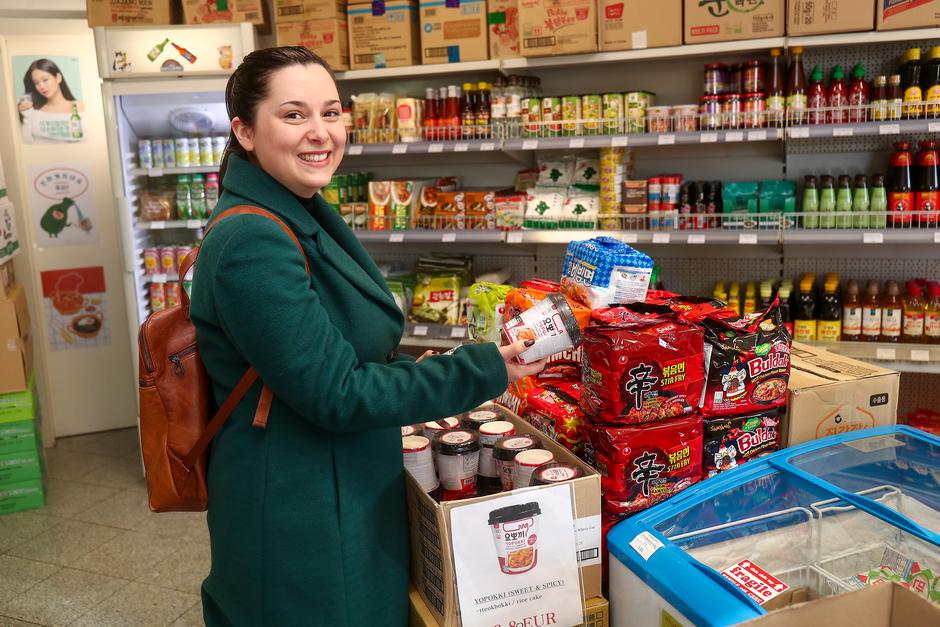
(860, 203)
(184, 204)
(844, 203)
(827, 203)
(878, 207)
(197, 197)
(157, 50)
(810, 203)
(75, 123)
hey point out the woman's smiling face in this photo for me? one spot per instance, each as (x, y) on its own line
(298, 136)
(45, 83)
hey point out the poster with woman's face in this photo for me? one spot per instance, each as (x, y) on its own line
(49, 99)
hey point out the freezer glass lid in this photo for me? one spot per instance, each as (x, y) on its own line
(900, 470)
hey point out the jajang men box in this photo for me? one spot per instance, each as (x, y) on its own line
(383, 35)
(810, 17)
(129, 12)
(232, 11)
(326, 37)
(831, 394)
(303, 10)
(432, 561)
(502, 20)
(733, 20)
(895, 14)
(453, 31)
(635, 24)
(553, 27)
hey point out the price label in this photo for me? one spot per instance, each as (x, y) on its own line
(399, 149)
(798, 132)
(889, 129)
(629, 238)
(576, 142)
(756, 136)
(887, 354)
(155, 172)
(158, 278)
(487, 147)
(396, 238)
(734, 136)
(920, 355)
(436, 148)
(933, 127)
(159, 225)
(696, 239)
(419, 330)
(747, 238)
(666, 140)
(708, 138)
(936, 238)
(619, 142)
(873, 238)
(530, 144)
(461, 147)
(193, 224)
(458, 332)
(448, 237)
(843, 131)
(661, 238)
(354, 150)
(515, 237)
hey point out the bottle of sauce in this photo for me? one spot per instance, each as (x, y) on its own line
(844, 203)
(878, 207)
(911, 93)
(930, 84)
(786, 314)
(851, 313)
(734, 297)
(871, 313)
(901, 194)
(927, 196)
(915, 310)
(468, 111)
(879, 99)
(827, 203)
(804, 323)
(859, 95)
(483, 130)
(750, 299)
(829, 325)
(894, 97)
(796, 88)
(810, 203)
(776, 102)
(892, 313)
(860, 203)
(431, 114)
(838, 97)
(817, 97)
(766, 295)
(932, 314)
(451, 121)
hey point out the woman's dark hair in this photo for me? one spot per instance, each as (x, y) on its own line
(45, 65)
(248, 86)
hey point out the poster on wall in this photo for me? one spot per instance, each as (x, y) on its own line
(63, 204)
(516, 559)
(9, 241)
(76, 308)
(49, 99)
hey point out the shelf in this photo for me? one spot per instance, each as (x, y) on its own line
(161, 278)
(432, 236)
(863, 39)
(200, 169)
(420, 70)
(864, 129)
(924, 358)
(422, 147)
(170, 224)
(862, 236)
(429, 335)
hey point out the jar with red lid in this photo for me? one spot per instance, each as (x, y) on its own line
(505, 451)
(710, 113)
(732, 110)
(754, 110)
(736, 79)
(490, 434)
(753, 76)
(716, 79)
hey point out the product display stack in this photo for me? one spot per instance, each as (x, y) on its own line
(22, 479)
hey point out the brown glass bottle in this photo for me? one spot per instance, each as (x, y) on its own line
(829, 312)
(871, 313)
(892, 313)
(912, 331)
(852, 313)
(796, 88)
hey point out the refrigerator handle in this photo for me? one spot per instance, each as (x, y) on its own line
(127, 235)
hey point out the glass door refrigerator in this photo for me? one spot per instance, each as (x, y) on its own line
(164, 101)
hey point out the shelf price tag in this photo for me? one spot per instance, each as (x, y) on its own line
(798, 132)
(396, 238)
(696, 239)
(514, 237)
(487, 147)
(747, 238)
(576, 142)
(458, 332)
(419, 331)
(447, 237)
(920, 355)
(708, 138)
(933, 127)
(159, 225)
(461, 147)
(889, 129)
(887, 354)
(436, 148)
(193, 224)
(756, 136)
(734, 136)
(936, 238)
(155, 172)
(873, 238)
(530, 144)
(355, 149)
(629, 238)
(843, 131)
(158, 278)
(399, 149)
(661, 238)
(666, 140)
(619, 142)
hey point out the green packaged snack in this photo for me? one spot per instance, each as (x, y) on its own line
(436, 299)
(485, 315)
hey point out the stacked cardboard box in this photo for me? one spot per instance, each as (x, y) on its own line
(808, 17)
(232, 11)
(634, 24)
(453, 31)
(129, 12)
(16, 354)
(319, 25)
(714, 21)
(549, 27)
(384, 34)
(21, 465)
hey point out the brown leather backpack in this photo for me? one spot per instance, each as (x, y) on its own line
(176, 398)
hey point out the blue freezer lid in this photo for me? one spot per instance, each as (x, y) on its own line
(870, 470)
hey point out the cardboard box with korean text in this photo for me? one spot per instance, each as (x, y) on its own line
(896, 14)
(303, 10)
(129, 12)
(552, 27)
(326, 37)
(733, 20)
(7, 279)
(887, 605)
(235, 12)
(432, 563)
(453, 31)
(383, 35)
(596, 612)
(634, 24)
(809, 17)
(831, 394)
(16, 355)
(502, 20)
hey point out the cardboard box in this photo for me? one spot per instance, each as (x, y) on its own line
(19, 436)
(830, 394)
(303, 10)
(432, 564)
(634, 24)
(551, 27)
(890, 605)
(596, 612)
(451, 34)
(129, 12)
(502, 21)
(16, 355)
(7, 279)
(895, 14)
(21, 405)
(714, 21)
(388, 39)
(237, 11)
(810, 17)
(16, 497)
(326, 37)
(20, 466)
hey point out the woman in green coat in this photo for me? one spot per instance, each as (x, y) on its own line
(307, 516)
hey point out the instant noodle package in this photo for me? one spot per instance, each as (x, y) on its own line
(553, 409)
(731, 441)
(604, 271)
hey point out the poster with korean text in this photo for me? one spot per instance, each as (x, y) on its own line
(49, 99)
(63, 204)
(75, 301)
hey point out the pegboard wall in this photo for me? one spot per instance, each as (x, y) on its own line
(521, 266)
(918, 390)
(864, 268)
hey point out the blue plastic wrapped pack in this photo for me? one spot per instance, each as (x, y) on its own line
(604, 271)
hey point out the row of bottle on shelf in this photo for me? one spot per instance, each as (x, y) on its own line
(193, 198)
(181, 152)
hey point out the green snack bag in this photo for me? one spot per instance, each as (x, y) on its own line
(485, 317)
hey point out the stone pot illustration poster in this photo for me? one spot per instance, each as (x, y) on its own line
(63, 204)
(76, 308)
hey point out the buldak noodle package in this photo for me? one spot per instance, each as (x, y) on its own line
(603, 271)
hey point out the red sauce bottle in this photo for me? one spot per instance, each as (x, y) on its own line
(901, 194)
(817, 97)
(838, 97)
(431, 114)
(859, 95)
(927, 196)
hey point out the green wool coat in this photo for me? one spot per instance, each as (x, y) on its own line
(307, 517)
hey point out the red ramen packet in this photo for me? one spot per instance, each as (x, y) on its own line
(645, 370)
(641, 466)
(553, 409)
(749, 363)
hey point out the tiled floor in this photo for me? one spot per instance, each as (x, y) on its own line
(95, 556)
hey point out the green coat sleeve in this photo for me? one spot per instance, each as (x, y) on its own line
(276, 322)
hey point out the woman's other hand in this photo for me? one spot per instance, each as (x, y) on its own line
(514, 369)
(426, 354)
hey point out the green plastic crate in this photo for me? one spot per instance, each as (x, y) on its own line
(16, 497)
(19, 436)
(17, 406)
(19, 467)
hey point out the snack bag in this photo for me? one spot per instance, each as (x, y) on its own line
(647, 370)
(749, 367)
(731, 441)
(556, 172)
(436, 299)
(587, 171)
(380, 205)
(553, 409)
(580, 210)
(485, 317)
(603, 271)
(514, 398)
(641, 466)
(545, 207)
(510, 210)
(542, 285)
(480, 209)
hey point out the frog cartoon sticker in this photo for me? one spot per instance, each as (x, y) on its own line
(63, 205)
